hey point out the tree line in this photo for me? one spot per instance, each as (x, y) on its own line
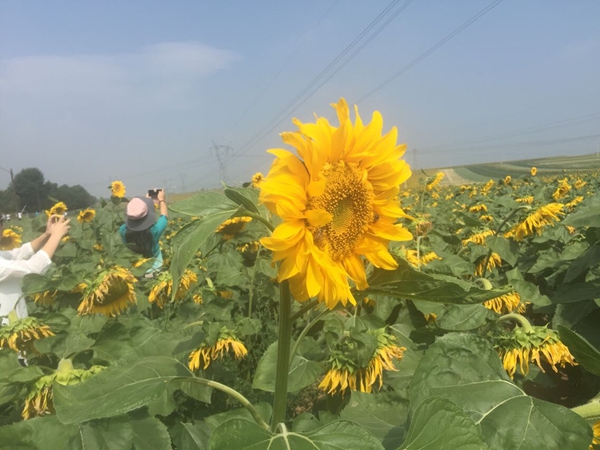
(29, 191)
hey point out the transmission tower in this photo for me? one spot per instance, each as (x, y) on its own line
(223, 153)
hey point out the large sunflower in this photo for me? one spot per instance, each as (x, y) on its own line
(110, 294)
(117, 189)
(87, 215)
(9, 240)
(59, 209)
(338, 201)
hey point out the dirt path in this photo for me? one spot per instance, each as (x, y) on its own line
(452, 178)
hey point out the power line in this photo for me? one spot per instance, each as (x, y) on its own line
(290, 59)
(291, 105)
(430, 51)
(520, 132)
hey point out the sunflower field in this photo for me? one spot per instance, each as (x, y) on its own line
(322, 306)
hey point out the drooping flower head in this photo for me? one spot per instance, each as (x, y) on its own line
(257, 179)
(162, 288)
(507, 179)
(19, 335)
(110, 294)
(563, 189)
(527, 199)
(9, 240)
(507, 303)
(533, 171)
(87, 215)
(232, 226)
(46, 298)
(493, 261)
(347, 373)
(486, 187)
(338, 201)
(541, 346)
(437, 180)
(478, 208)
(117, 189)
(205, 354)
(543, 216)
(59, 209)
(478, 238)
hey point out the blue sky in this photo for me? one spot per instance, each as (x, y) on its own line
(140, 90)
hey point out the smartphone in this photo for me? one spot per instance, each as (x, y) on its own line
(153, 193)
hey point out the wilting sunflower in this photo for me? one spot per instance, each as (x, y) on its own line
(205, 354)
(338, 201)
(428, 257)
(563, 189)
(9, 240)
(257, 179)
(478, 208)
(110, 294)
(20, 334)
(596, 439)
(162, 288)
(345, 373)
(39, 399)
(570, 229)
(59, 209)
(507, 179)
(518, 348)
(478, 238)
(544, 215)
(507, 303)
(533, 171)
(579, 183)
(249, 247)
(232, 226)
(573, 203)
(117, 189)
(437, 180)
(486, 187)
(87, 215)
(527, 199)
(46, 298)
(486, 218)
(493, 261)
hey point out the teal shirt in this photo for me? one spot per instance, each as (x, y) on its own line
(157, 231)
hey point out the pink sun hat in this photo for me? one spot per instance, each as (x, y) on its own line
(140, 214)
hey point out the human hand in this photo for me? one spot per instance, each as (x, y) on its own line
(51, 221)
(60, 227)
(161, 195)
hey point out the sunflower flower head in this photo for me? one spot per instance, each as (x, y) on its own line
(232, 226)
(87, 215)
(562, 190)
(492, 262)
(226, 343)
(9, 240)
(533, 223)
(486, 218)
(478, 238)
(117, 189)
(527, 199)
(596, 431)
(339, 203)
(435, 181)
(348, 372)
(486, 187)
(579, 183)
(59, 209)
(46, 298)
(507, 179)
(533, 171)
(507, 303)
(573, 203)
(110, 294)
(540, 345)
(162, 288)
(257, 179)
(478, 208)
(20, 334)
(39, 399)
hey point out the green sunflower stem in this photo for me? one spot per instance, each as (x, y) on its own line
(521, 320)
(305, 332)
(283, 355)
(251, 288)
(485, 283)
(497, 232)
(261, 219)
(229, 391)
(590, 411)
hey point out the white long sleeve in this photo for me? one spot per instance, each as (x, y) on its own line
(23, 252)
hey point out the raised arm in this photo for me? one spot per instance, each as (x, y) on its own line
(164, 211)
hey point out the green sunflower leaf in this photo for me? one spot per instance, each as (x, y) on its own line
(464, 369)
(408, 283)
(438, 423)
(585, 353)
(241, 433)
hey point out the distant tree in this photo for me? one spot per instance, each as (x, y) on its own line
(8, 201)
(75, 197)
(29, 186)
